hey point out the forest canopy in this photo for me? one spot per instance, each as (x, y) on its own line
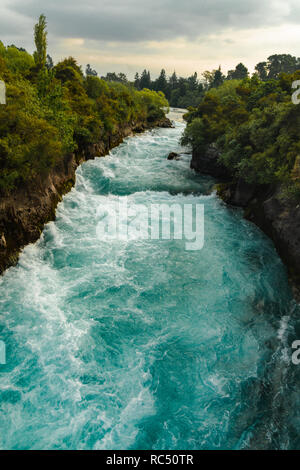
(184, 92)
(255, 125)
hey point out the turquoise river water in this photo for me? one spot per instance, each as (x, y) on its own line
(141, 344)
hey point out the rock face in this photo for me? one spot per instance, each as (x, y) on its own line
(24, 213)
(263, 206)
(207, 163)
(173, 156)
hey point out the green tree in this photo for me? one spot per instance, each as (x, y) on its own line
(161, 84)
(145, 80)
(173, 81)
(137, 81)
(218, 78)
(239, 73)
(114, 77)
(279, 63)
(208, 78)
(193, 82)
(40, 39)
(261, 69)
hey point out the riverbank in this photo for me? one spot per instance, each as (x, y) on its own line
(263, 206)
(24, 213)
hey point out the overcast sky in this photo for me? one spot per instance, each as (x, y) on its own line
(182, 35)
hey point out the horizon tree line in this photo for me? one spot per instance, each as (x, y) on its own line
(180, 91)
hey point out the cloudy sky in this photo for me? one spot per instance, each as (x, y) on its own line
(130, 35)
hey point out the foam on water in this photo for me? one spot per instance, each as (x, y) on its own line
(137, 344)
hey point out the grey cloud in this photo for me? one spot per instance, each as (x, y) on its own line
(137, 20)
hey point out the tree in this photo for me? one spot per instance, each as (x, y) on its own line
(114, 77)
(279, 63)
(40, 39)
(173, 81)
(208, 78)
(145, 81)
(161, 83)
(17, 61)
(68, 71)
(182, 85)
(218, 78)
(239, 73)
(193, 82)
(261, 69)
(137, 81)
(21, 49)
(156, 103)
(122, 78)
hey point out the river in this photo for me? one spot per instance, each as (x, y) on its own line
(142, 344)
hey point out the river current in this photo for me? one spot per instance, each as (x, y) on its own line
(142, 344)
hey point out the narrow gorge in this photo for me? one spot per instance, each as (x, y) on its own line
(141, 344)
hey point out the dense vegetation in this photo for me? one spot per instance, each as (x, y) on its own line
(53, 110)
(256, 127)
(184, 92)
(180, 92)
